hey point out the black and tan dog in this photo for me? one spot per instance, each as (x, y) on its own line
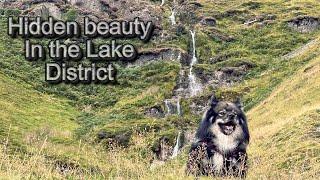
(221, 142)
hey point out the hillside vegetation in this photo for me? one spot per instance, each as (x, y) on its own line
(104, 131)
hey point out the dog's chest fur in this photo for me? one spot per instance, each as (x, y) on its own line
(226, 143)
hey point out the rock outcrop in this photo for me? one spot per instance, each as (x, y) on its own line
(304, 24)
(261, 20)
(208, 21)
(155, 111)
(160, 54)
(44, 10)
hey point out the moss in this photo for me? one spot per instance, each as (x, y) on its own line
(71, 15)
(10, 12)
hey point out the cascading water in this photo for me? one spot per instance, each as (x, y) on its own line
(176, 147)
(173, 106)
(173, 17)
(179, 57)
(167, 104)
(162, 2)
(194, 86)
(178, 107)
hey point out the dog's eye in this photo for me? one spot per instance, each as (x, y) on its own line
(221, 113)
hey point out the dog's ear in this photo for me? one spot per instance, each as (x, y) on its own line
(213, 101)
(239, 104)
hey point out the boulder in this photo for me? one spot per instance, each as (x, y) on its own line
(186, 13)
(155, 111)
(76, 2)
(304, 24)
(228, 76)
(44, 10)
(208, 21)
(164, 147)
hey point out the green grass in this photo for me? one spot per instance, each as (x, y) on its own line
(284, 127)
(25, 111)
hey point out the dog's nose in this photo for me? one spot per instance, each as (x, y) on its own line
(231, 116)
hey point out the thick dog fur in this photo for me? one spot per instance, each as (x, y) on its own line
(221, 141)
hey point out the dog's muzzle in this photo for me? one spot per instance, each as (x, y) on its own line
(227, 128)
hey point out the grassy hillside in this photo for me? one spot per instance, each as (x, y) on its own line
(29, 120)
(285, 127)
(284, 130)
(24, 111)
(284, 144)
(50, 131)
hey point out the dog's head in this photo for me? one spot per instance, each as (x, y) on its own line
(225, 118)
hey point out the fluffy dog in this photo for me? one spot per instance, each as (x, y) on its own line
(221, 141)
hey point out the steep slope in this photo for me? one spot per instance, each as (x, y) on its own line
(24, 111)
(285, 127)
(29, 121)
(37, 136)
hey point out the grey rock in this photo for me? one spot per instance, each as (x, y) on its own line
(44, 10)
(208, 21)
(180, 30)
(199, 105)
(155, 111)
(161, 54)
(304, 24)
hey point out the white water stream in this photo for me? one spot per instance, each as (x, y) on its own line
(173, 17)
(162, 2)
(167, 104)
(176, 147)
(194, 87)
(178, 107)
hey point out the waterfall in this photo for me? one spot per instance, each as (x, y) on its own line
(194, 86)
(167, 103)
(173, 106)
(176, 147)
(162, 2)
(178, 107)
(172, 17)
(179, 57)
